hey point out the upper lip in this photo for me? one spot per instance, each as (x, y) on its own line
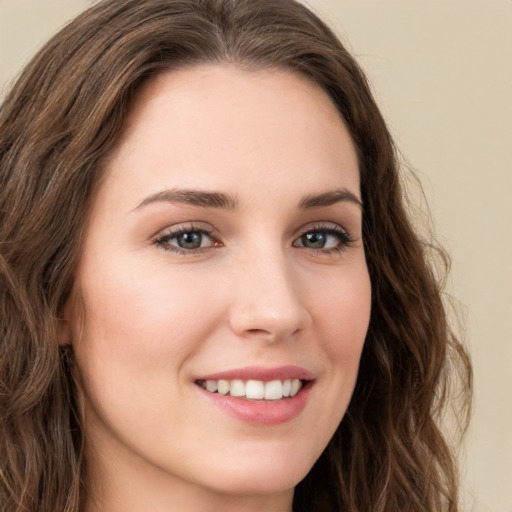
(264, 374)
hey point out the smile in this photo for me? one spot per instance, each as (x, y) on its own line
(259, 395)
(253, 389)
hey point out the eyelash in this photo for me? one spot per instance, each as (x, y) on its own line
(162, 240)
(344, 238)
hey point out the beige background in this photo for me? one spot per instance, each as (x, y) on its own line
(442, 72)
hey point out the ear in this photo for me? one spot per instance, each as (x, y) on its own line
(63, 332)
(64, 327)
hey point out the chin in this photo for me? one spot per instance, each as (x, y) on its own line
(275, 476)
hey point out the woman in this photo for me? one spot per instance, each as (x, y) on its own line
(212, 297)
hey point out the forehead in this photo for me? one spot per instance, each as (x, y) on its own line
(217, 124)
(219, 82)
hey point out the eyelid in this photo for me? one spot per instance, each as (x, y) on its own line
(327, 227)
(323, 226)
(161, 237)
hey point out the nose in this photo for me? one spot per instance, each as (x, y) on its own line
(266, 300)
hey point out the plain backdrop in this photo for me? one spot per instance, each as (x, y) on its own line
(442, 73)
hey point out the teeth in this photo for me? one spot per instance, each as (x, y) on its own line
(254, 389)
(223, 387)
(237, 388)
(287, 386)
(274, 390)
(296, 385)
(211, 385)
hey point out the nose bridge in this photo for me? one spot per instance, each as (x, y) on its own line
(267, 301)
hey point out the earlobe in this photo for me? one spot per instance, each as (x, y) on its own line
(64, 325)
(64, 332)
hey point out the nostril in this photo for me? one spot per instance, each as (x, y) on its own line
(258, 331)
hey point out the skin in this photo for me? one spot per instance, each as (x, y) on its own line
(254, 293)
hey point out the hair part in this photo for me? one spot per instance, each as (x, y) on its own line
(57, 126)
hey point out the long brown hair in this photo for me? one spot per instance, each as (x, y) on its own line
(57, 124)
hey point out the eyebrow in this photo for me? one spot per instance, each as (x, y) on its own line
(192, 197)
(329, 198)
(221, 200)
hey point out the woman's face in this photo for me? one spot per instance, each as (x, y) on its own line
(224, 245)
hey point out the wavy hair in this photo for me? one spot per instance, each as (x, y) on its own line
(60, 121)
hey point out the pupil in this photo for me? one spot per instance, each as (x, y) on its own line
(189, 240)
(314, 240)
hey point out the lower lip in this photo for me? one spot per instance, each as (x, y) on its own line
(261, 412)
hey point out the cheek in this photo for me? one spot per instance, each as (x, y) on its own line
(140, 315)
(342, 316)
(343, 313)
(140, 329)
(139, 332)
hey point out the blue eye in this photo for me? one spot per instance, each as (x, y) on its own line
(185, 239)
(324, 238)
(189, 240)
